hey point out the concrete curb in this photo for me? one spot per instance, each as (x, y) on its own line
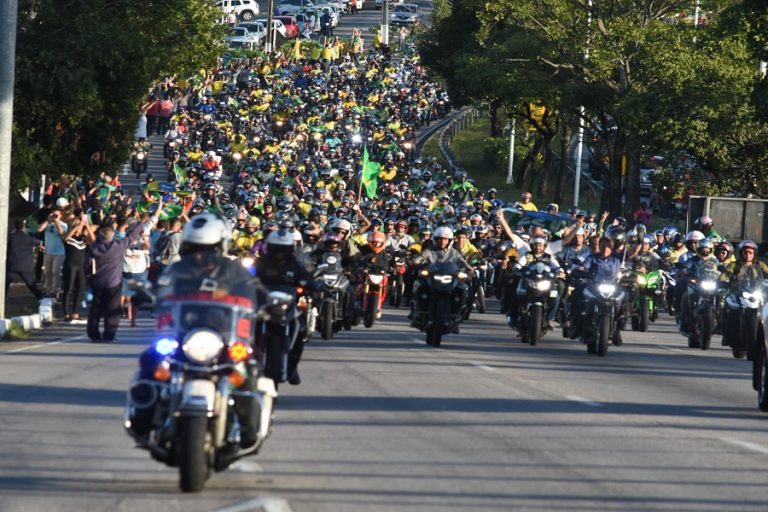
(29, 322)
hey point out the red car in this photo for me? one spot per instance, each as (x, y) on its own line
(291, 27)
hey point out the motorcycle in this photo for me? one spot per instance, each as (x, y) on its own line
(604, 299)
(702, 305)
(743, 310)
(333, 298)
(200, 400)
(371, 295)
(397, 283)
(648, 291)
(536, 286)
(139, 158)
(443, 290)
(760, 363)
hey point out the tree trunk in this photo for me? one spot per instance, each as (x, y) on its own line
(493, 112)
(542, 178)
(526, 165)
(632, 183)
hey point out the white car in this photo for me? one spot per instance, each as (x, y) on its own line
(404, 14)
(338, 5)
(256, 29)
(276, 24)
(240, 37)
(246, 10)
(294, 6)
(380, 3)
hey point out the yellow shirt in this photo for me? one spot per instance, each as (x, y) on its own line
(529, 207)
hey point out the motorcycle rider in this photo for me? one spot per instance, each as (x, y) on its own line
(203, 269)
(605, 262)
(703, 256)
(535, 255)
(442, 252)
(744, 269)
(401, 237)
(280, 267)
(576, 252)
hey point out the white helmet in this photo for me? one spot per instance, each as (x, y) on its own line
(443, 232)
(694, 236)
(280, 243)
(207, 229)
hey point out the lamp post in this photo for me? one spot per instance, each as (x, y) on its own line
(510, 164)
(385, 23)
(580, 136)
(270, 42)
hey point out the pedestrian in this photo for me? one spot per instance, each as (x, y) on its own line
(167, 246)
(54, 228)
(107, 255)
(402, 37)
(21, 248)
(232, 18)
(74, 267)
(135, 267)
(152, 113)
(164, 113)
(642, 215)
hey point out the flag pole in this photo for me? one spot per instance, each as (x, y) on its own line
(362, 171)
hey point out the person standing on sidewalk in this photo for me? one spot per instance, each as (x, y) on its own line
(21, 246)
(74, 267)
(107, 255)
(54, 229)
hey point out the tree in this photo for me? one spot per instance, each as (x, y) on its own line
(83, 68)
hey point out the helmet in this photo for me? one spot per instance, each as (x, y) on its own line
(658, 233)
(492, 191)
(670, 232)
(401, 223)
(332, 239)
(616, 234)
(376, 241)
(649, 239)
(678, 238)
(280, 243)
(705, 220)
(725, 246)
(207, 229)
(747, 244)
(694, 236)
(552, 207)
(640, 229)
(476, 217)
(444, 232)
(253, 222)
(539, 240)
(705, 244)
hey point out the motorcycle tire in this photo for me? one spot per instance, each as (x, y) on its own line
(535, 323)
(397, 296)
(603, 336)
(707, 320)
(591, 346)
(693, 340)
(635, 323)
(273, 363)
(762, 391)
(757, 362)
(436, 328)
(739, 354)
(327, 322)
(347, 323)
(749, 333)
(369, 316)
(193, 458)
(566, 329)
(480, 300)
(645, 316)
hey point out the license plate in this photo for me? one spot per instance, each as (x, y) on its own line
(553, 293)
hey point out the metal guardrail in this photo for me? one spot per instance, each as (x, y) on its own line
(465, 118)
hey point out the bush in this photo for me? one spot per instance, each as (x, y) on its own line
(495, 151)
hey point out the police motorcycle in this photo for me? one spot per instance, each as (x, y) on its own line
(334, 295)
(602, 313)
(200, 400)
(536, 286)
(443, 289)
(702, 305)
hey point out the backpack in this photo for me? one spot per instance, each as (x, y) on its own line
(163, 248)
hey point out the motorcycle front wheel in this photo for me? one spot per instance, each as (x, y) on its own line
(327, 322)
(707, 326)
(645, 315)
(193, 464)
(762, 384)
(369, 317)
(480, 300)
(534, 324)
(603, 335)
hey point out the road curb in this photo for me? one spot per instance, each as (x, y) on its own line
(43, 318)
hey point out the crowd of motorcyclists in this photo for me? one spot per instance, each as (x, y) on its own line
(268, 225)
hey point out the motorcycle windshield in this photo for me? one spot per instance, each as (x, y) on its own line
(444, 268)
(537, 268)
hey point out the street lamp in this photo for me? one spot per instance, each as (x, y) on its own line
(511, 160)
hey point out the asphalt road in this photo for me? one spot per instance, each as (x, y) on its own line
(384, 422)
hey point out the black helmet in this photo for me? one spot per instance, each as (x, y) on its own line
(616, 234)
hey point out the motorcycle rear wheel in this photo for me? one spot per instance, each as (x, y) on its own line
(193, 463)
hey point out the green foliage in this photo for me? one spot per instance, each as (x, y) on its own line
(83, 68)
(496, 152)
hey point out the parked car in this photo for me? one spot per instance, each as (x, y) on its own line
(404, 14)
(338, 5)
(291, 26)
(256, 29)
(240, 37)
(294, 6)
(245, 9)
(277, 25)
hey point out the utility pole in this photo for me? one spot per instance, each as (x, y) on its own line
(385, 23)
(8, 13)
(580, 133)
(270, 42)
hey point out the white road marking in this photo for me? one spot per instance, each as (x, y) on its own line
(670, 348)
(418, 341)
(31, 347)
(245, 466)
(482, 366)
(745, 444)
(267, 503)
(583, 400)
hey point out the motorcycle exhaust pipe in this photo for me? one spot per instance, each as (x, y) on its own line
(143, 394)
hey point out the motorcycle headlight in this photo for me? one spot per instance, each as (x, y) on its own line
(375, 278)
(202, 346)
(606, 289)
(708, 285)
(543, 286)
(247, 262)
(236, 156)
(641, 280)
(462, 275)
(140, 155)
